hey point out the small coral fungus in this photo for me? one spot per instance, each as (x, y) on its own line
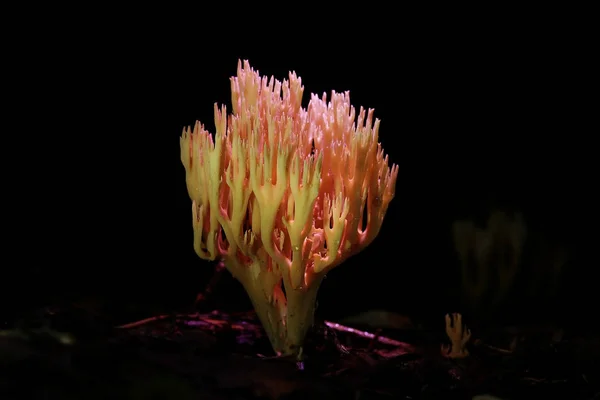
(281, 192)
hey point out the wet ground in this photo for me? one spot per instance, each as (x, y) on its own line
(72, 352)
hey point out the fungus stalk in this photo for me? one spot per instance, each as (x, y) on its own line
(280, 193)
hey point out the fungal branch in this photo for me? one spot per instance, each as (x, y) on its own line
(280, 193)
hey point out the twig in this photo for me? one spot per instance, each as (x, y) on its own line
(368, 335)
(332, 325)
(214, 280)
(494, 348)
(195, 316)
(145, 321)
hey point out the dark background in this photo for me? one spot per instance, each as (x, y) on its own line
(475, 123)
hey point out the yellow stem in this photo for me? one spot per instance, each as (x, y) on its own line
(285, 318)
(301, 305)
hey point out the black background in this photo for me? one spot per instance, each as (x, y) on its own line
(475, 121)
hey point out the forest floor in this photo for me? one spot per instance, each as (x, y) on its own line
(70, 352)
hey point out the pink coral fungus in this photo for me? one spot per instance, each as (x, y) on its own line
(280, 194)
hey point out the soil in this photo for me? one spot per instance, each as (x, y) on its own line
(71, 352)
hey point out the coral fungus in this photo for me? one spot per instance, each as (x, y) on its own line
(280, 193)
